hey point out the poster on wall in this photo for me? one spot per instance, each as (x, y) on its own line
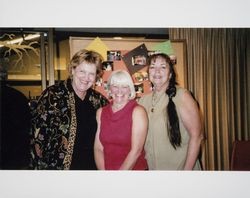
(136, 59)
(129, 54)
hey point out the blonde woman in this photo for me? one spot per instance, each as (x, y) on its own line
(64, 122)
(122, 127)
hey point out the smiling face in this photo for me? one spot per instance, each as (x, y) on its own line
(159, 73)
(121, 88)
(83, 77)
(120, 94)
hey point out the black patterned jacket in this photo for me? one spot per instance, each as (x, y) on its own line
(54, 126)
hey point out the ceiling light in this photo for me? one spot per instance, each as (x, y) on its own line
(117, 38)
(19, 40)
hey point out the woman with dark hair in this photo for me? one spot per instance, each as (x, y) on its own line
(174, 133)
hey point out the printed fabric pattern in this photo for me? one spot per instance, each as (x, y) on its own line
(54, 126)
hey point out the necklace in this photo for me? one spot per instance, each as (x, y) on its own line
(154, 101)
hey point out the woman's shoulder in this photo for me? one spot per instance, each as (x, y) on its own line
(97, 98)
(139, 109)
(52, 90)
(183, 95)
(145, 98)
(181, 91)
(147, 95)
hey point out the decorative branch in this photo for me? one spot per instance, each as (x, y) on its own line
(8, 35)
(18, 49)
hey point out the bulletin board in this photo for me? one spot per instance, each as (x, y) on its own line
(115, 53)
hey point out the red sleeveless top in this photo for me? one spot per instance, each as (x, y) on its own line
(115, 136)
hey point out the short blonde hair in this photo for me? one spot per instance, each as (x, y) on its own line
(90, 57)
(122, 77)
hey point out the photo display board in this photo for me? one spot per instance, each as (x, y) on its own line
(129, 54)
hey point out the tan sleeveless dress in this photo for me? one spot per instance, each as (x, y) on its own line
(160, 154)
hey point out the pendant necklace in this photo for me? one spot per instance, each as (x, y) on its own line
(154, 101)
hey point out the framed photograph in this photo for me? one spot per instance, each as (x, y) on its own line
(136, 59)
(139, 60)
(108, 66)
(99, 82)
(139, 88)
(141, 76)
(113, 55)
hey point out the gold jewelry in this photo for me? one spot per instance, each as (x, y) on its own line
(154, 101)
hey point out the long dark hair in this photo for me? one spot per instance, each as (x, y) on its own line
(173, 120)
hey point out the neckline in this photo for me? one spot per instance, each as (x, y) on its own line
(156, 97)
(114, 109)
(130, 102)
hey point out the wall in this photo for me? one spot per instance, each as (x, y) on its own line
(127, 44)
